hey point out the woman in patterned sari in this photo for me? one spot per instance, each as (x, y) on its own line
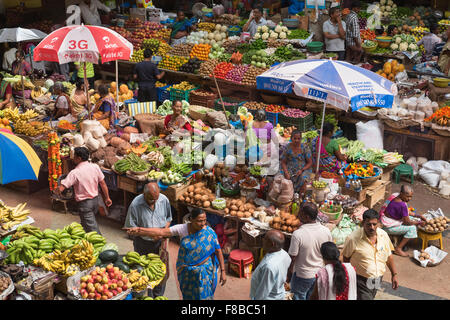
(331, 158)
(104, 108)
(199, 256)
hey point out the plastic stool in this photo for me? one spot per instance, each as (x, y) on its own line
(430, 236)
(403, 170)
(240, 259)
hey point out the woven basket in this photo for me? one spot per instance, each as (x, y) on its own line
(368, 181)
(442, 132)
(38, 82)
(272, 99)
(399, 124)
(296, 103)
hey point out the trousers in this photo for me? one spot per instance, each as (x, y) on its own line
(87, 210)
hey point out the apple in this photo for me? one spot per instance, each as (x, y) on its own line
(125, 280)
(125, 287)
(102, 270)
(84, 278)
(91, 295)
(119, 277)
(83, 285)
(91, 280)
(114, 292)
(98, 269)
(116, 269)
(110, 294)
(94, 273)
(91, 290)
(104, 297)
(119, 289)
(98, 278)
(83, 291)
(105, 287)
(84, 295)
(113, 285)
(98, 296)
(105, 280)
(120, 283)
(114, 281)
(109, 267)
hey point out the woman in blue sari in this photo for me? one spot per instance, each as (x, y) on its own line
(199, 256)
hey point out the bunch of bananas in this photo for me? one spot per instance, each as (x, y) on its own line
(9, 216)
(97, 240)
(138, 281)
(30, 129)
(154, 268)
(14, 115)
(27, 84)
(163, 49)
(37, 92)
(68, 262)
(150, 298)
(25, 230)
(21, 250)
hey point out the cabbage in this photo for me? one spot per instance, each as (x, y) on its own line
(48, 83)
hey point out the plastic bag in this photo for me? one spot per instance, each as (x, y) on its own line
(431, 171)
(371, 133)
(374, 21)
(340, 235)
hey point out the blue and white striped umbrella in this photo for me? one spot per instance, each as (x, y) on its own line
(338, 83)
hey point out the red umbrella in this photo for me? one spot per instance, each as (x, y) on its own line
(83, 44)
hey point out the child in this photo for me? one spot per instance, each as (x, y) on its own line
(235, 121)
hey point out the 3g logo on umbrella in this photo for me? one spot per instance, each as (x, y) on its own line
(82, 44)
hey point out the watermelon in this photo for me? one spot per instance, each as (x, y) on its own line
(110, 246)
(122, 266)
(108, 256)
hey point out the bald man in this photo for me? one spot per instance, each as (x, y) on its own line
(269, 277)
(149, 210)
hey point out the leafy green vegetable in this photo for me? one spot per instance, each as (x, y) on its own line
(353, 149)
(328, 118)
(298, 34)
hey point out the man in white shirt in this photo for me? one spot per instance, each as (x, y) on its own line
(305, 252)
(269, 277)
(256, 20)
(89, 11)
(9, 57)
(334, 33)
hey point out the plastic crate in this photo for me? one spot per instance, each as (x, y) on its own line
(272, 117)
(235, 33)
(176, 94)
(162, 93)
(233, 108)
(302, 124)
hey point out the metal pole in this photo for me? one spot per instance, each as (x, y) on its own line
(117, 86)
(86, 89)
(221, 100)
(320, 138)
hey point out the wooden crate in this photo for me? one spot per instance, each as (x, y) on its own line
(360, 196)
(375, 193)
(174, 192)
(127, 184)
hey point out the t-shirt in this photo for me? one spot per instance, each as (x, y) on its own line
(180, 230)
(305, 245)
(84, 179)
(89, 70)
(333, 44)
(397, 210)
(146, 72)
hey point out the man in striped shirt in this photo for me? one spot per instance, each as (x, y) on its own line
(352, 36)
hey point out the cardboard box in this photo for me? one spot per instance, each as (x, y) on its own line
(138, 13)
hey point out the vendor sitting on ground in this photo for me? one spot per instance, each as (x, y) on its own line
(20, 66)
(176, 121)
(63, 105)
(392, 30)
(394, 215)
(444, 58)
(296, 162)
(104, 108)
(331, 158)
(6, 97)
(259, 146)
(180, 28)
(79, 100)
(255, 20)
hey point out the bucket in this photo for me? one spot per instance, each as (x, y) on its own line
(240, 263)
(319, 195)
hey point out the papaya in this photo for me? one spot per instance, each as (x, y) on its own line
(394, 63)
(401, 67)
(113, 86)
(387, 68)
(123, 89)
(379, 71)
(383, 75)
(391, 77)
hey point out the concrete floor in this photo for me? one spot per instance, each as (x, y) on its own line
(416, 282)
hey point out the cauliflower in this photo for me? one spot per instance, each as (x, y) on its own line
(412, 47)
(265, 35)
(257, 36)
(388, 8)
(284, 29)
(394, 46)
(382, 2)
(403, 46)
(278, 29)
(274, 35)
(398, 40)
(258, 29)
(282, 35)
(265, 29)
(390, 2)
(382, 8)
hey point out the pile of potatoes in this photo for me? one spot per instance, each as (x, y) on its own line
(4, 283)
(240, 208)
(285, 222)
(198, 195)
(425, 256)
(437, 224)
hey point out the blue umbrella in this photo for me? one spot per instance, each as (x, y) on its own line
(337, 83)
